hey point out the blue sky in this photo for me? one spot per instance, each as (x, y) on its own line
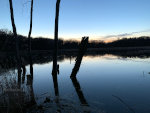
(99, 19)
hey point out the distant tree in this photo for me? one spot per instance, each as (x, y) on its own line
(54, 71)
(15, 35)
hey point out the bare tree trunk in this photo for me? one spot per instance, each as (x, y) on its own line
(55, 52)
(29, 37)
(81, 52)
(30, 30)
(15, 36)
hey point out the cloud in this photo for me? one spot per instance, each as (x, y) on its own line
(125, 34)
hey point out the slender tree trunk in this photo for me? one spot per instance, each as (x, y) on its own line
(55, 52)
(15, 36)
(29, 37)
(30, 30)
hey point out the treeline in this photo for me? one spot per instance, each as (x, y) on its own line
(7, 43)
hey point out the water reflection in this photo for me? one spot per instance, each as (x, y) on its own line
(19, 78)
(8, 62)
(23, 74)
(79, 91)
(17, 94)
(30, 84)
(55, 85)
(124, 79)
(130, 108)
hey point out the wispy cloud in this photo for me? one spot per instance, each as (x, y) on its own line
(125, 34)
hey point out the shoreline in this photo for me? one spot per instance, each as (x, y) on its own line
(8, 60)
(110, 50)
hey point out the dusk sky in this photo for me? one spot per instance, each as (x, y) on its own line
(98, 19)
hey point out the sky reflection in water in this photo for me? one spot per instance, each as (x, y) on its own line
(103, 81)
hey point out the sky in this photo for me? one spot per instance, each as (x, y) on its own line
(99, 19)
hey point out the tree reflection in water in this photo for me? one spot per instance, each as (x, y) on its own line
(17, 94)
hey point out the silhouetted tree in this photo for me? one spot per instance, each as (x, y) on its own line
(81, 52)
(29, 36)
(42, 43)
(55, 67)
(15, 35)
(5, 32)
(30, 30)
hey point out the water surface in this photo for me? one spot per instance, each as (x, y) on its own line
(104, 84)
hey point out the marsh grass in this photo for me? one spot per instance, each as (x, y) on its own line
(14, 96)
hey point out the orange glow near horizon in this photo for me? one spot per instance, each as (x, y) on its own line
(96, 38)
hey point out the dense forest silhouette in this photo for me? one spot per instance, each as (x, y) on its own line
(7, 42)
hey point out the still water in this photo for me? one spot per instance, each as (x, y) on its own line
(104, 84)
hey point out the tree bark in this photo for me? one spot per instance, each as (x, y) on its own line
(55, 52)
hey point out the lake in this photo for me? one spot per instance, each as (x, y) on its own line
(104, 84)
